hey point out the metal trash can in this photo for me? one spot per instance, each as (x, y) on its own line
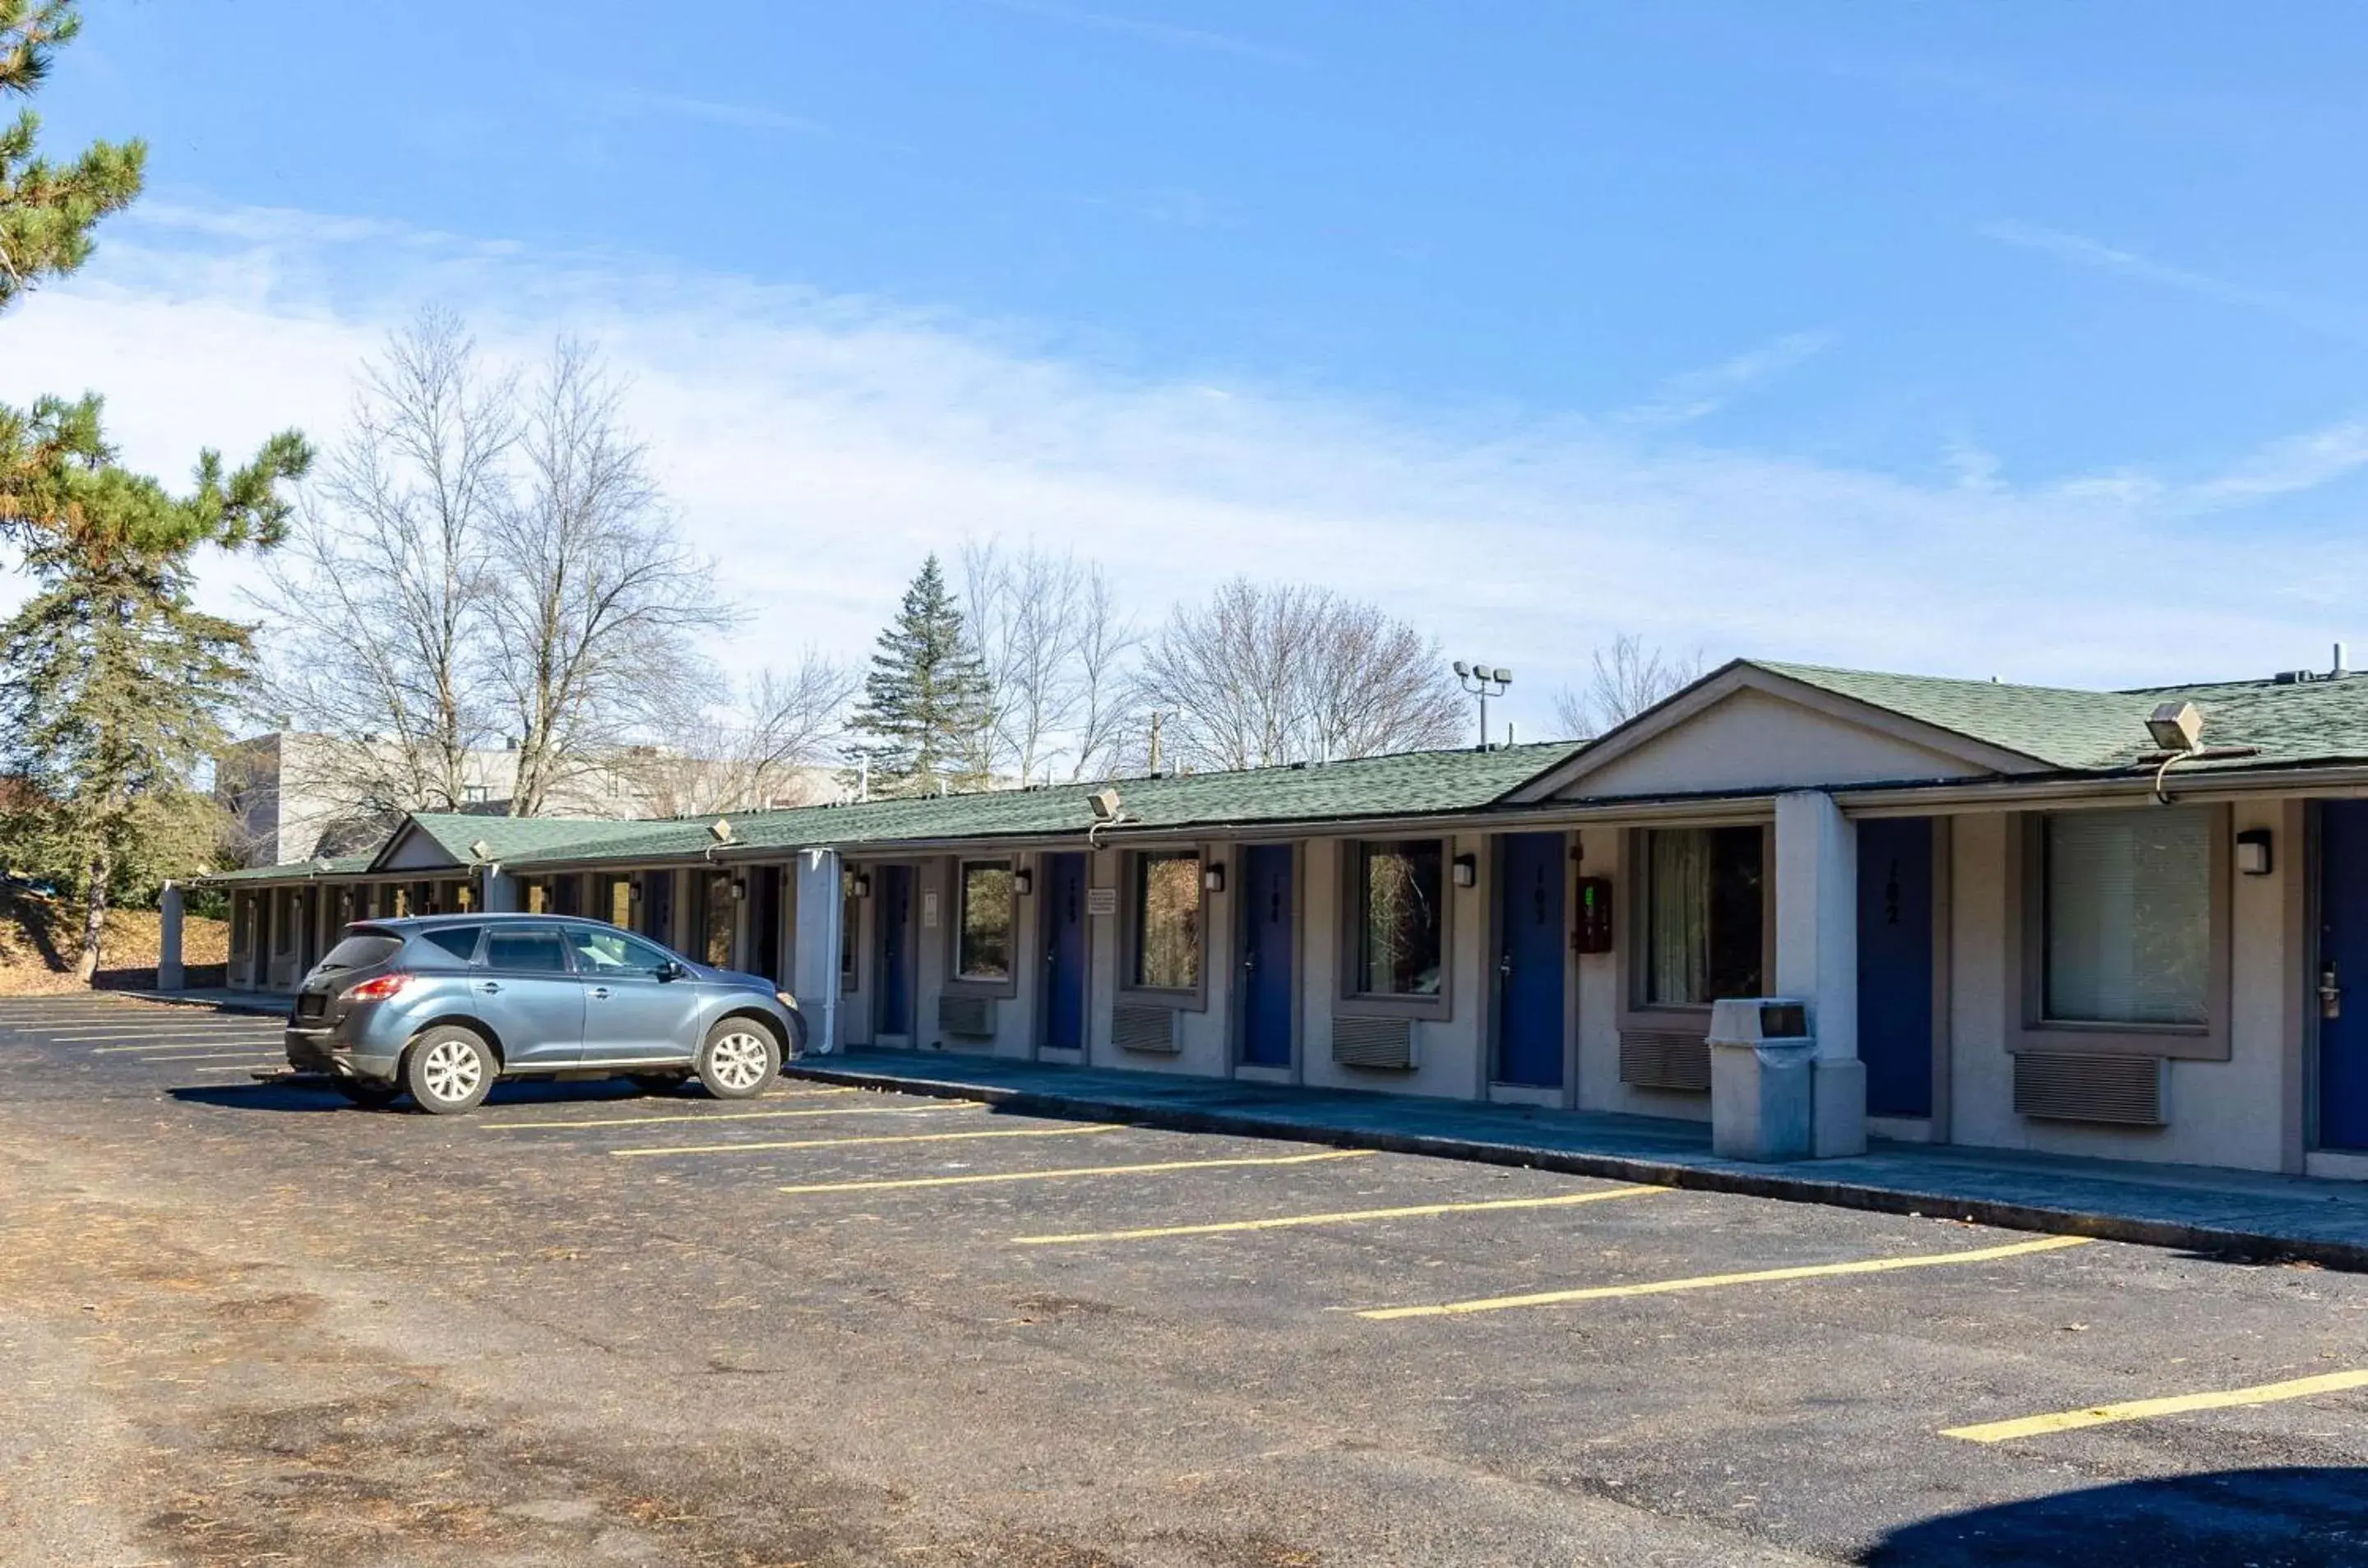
(1761, 1064)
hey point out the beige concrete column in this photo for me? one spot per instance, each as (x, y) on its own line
(170, 975)
(1816, 956)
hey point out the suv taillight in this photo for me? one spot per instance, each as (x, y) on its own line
(378, 989)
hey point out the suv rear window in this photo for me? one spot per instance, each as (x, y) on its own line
(460, 941)
(362, 949)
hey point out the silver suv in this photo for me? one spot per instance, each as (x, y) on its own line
(442, 1005)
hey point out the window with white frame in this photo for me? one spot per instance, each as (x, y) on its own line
(1164, 921)
(1704, 920)
(982, 933)
(2128, 913)
(1401, 918)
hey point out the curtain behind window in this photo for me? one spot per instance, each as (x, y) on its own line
(1676, 943)
(2129, 915)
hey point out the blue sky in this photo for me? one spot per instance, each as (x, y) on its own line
(1939, 337)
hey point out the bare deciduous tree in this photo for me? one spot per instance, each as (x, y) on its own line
(1054, 643)
(483, 563)
(775, 748)
(1259, 675)
(385, 575)
(594, 601)
(1626, 678)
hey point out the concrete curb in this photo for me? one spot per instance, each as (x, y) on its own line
(2254, 1246)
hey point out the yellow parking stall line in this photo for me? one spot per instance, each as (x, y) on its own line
(890, 1138)
(1714, 1281)
(727, 1116)
(2149, 1409)
(1343, 1217)
(184, 1030)
(895, 1182)
(243, 1067)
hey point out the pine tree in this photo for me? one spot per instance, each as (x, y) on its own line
(46, 216)
(47, 210)
(927, 699)
(112, 682)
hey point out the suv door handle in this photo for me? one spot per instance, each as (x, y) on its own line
(599, 991)
(489, 986)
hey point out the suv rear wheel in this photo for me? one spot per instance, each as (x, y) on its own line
(449, 1069)
(738, 1058)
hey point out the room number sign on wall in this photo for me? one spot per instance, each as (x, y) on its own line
(1101, 900)
(929, 912)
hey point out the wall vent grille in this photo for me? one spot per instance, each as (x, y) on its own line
(1658, 1059)
(2123, 1091)
(1138, 1028)
(972, 1017)
(1386, 1043)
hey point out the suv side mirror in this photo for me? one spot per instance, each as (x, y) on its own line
(672, 970)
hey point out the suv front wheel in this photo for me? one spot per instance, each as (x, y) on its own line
(449, 1069)
(738, 1058)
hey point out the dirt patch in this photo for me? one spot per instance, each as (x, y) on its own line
(37, 938)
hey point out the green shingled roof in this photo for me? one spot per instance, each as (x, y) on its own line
(511, 837)
(2323, 722)
(1413, 784)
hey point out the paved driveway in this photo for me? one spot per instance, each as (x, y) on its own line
(250, 1325)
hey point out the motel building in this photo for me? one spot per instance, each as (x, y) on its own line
(2131, 924)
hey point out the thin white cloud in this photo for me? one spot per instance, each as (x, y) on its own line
(629, 102)
(2081, 251)
(1696, 394)
(820, 445)
(1137, 27)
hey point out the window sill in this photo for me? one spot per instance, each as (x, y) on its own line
(1421, 1009)
(2179, 1045)
(1181, 1001)
(998, 990)
(1667, 1019)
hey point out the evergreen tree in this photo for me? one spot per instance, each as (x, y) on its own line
(47, 210)
(46, 215)
(926, 700)
(111, 681)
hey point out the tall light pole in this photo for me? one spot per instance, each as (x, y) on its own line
(1483, 682)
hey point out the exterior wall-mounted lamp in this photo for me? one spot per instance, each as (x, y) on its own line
(2253, 858)
(739, 888)
(1212, 875)
(863, 881)
(1023, 881)
(1467, 870)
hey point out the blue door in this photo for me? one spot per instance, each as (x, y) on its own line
(657, 906)
(1267, 920)
(1064, 952)
(895, 916)
(2343, 976)
(1895, 964)
(1529, 960)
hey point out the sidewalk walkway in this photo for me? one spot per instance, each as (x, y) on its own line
(2238, 1213)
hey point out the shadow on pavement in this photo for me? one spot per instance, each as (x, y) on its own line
(2299, 1517)
(316, 1094)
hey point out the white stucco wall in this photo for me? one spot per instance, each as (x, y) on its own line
(1448, 1052)
(2221, 1113)
(1753, 741)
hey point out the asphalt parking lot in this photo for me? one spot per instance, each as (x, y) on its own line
(247, 1323)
